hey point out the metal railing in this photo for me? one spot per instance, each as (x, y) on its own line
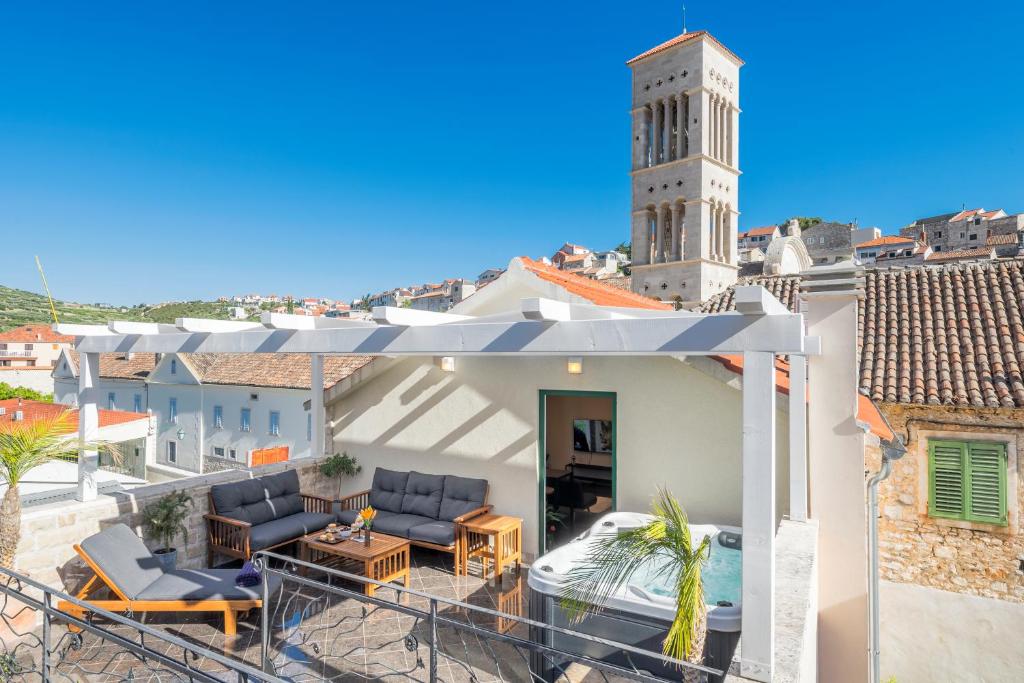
(315, 629)
(105, 646)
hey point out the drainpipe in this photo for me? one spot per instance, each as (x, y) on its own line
(891, 450)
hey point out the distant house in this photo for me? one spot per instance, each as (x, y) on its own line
(212, 410)
(568, 252)
(970, 229)
(488, 275)
(867, 252)
(976, 254)
(441, 297)
(829, 242)
(31, 346)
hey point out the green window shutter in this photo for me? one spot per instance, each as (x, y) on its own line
(986, 483)
(947, 464)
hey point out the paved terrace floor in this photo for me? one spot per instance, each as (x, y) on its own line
(317, 636)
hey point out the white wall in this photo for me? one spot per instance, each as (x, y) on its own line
(927, 634)
(288, 402)
(35, 379)
(675, 426)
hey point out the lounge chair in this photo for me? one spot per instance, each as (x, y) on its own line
(122, 563)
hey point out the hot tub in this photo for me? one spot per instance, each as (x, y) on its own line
(639, 614)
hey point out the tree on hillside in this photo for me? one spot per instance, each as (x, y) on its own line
(804, 221)
(7, 391)
(625, 248)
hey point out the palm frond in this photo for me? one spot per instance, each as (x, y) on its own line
(27, 445)
(611, 562)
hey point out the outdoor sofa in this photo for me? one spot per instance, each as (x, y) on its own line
(261, 514)
(424, 508)
(137, 581)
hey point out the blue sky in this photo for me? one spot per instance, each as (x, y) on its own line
(153, 151)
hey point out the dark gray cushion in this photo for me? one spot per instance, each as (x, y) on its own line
(124, 558)
(398, 525)
(461, 495)
(347, 517)
(206, 584)
(287, 528)
(441, 533)
(388, 489)
(423, 494)
(259, 500)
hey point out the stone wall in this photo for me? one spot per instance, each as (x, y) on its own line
(48, 532)
(964, 557)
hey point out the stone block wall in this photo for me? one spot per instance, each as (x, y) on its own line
(963, 557)
(49, 532)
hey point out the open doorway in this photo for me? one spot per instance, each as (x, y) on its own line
(577, 462)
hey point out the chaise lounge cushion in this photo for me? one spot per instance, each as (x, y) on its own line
(440, 533)
(124, 559)
(259, 500)
(287, 528)
(388, 489)
(398, 525)
(423, 494)
(461, 495)
(206, 584)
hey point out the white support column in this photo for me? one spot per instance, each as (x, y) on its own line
(798, 438)
(666, 142)
(730, 117)
(757, 639)
(655, 133)
(712, 126)
(722, 137)
(680, 126)
(316, 403)
(659, 236)
(88, 424)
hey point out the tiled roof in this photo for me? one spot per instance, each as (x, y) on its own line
(593, 291)
(976, 253)
(35, 410)
(970, 213)
(679, 40)
(35, 333)
(884, 240)
(997, 240)
(278, 370)
(120, 365)
(765, 230)
(785, 288)
(934, 335)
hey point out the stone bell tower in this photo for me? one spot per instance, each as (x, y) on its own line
(685, 168)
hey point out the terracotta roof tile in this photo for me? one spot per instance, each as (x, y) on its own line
(35, 333)
(884, 240)
(933, 335)
(279, 370)
(765, 230)
(594, 291)
(120, 365)
(34, 410)
(997, 240)
(976, 253)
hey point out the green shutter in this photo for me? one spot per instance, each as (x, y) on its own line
(947, 463)
(986, 483)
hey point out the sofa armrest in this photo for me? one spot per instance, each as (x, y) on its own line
(311, 503)
(356, 501)
(227, 533)
(473, 513)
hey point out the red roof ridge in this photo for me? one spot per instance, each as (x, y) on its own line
(885, 239)
(594, 291)
(684, 38)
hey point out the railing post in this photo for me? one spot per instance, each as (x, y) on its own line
(433, 640)
(45, 667)
(265, 621)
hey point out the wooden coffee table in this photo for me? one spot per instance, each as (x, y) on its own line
(386, 559)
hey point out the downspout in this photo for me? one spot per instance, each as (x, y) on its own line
(891, 450)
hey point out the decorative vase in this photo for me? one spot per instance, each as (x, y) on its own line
(168, 558)
(366, 537)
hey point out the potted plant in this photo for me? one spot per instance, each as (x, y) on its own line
(613, 561)
(164, 520)
(338, 466)
(25, 445)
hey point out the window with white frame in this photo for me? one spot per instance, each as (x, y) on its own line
(218, 417)
(172, 451)
(245, 423)
(111, 401)
(218, 452)
(172, 411)
(275, 423)
(137, 403)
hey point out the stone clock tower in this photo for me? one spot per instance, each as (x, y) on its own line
(685, 168)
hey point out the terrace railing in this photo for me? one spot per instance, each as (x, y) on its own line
(327, 629)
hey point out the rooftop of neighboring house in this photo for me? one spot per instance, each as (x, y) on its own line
(977, 213)
(763, 230)
(884, 241)
(275, 370)
(595, 291)
(999, 240)
(932, 335)
(962, 254)
(38, 410)
(34, 333)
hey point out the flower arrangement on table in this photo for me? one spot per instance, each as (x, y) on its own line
(365, 521)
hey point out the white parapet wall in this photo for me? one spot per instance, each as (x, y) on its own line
(935, 635)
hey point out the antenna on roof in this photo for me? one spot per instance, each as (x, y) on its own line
(684, 18)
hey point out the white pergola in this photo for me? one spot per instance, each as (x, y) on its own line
(759, 329)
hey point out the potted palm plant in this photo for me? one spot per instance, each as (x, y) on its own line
(613, 561)
(164, 520)
(25, 445)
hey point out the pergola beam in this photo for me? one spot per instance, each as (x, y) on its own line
(712, 334)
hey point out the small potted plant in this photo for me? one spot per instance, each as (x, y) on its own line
(338, 466)
(164, 520)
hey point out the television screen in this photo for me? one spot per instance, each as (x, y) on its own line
(592, 436)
